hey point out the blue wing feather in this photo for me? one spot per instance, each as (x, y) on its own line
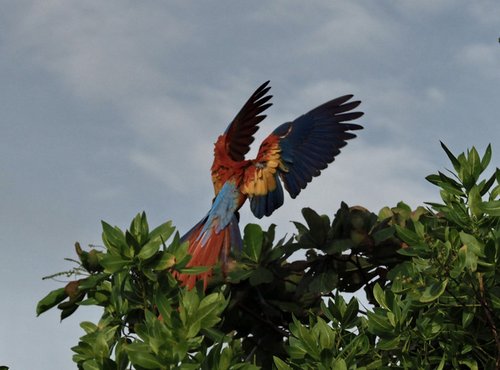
(306, 146)
(222, 212)
(264, 205)
(312, 141)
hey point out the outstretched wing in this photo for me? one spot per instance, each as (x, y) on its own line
(239, 134)
(297, 151)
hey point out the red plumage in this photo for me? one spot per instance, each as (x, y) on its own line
(293, 154)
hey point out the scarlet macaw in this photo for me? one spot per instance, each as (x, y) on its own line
(293, 153)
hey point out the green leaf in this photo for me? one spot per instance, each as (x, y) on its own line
(452, 184)
(475, 163)
(466, 173)
(253, 241)
(433, 292)
(495, 193)
(491, 208)
(466, 259)
(379, 295)
(380, 325)
(68, 311)
(166, 261)
(475, 201)
(237, 275)
(194, 270)
(113, 263)
(88, 326)
(324, 282)
(139, 228)
(214, 334)
(473, 245)
(383, 234)
(453, 159)
(336, 308)
(324, 334)
(467, 317)
(133, 245)
(143, 359)
(162, 232)
(338, 246)
(178, 249)
(389, 344)
(280, 364)
(92, 281)
(351, 313)
(408, 236)
(307, 340)
(485, 161)
(261, 276)
(91, 365)
(89, 302)
(339, 364)
(209, 309)
(470, 363)
(385, 213)
(121, 356)
(149, 249)
(318, 226)
(436, 180)
(225, 358)
(164, 306)
(113, 238)
(300, 228)
(486, 185)
(50, 300)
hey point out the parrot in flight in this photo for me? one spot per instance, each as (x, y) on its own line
(290, 156)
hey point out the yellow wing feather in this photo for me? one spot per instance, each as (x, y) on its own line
(260, 178)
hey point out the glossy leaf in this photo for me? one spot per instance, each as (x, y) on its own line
(253, 241)
(88, 326)
(113, 263)
(261, 276)
(144, 359)
(492, 207)
(430, 273)
(162, 232)
(380, 325)
(339, 364)
(113, 238)
(280, 364)
(456, 164)
(166, 261)
(379, 295)
(434, 291)
(408, 236)
(383, 234)
(472, 243)
(50, 300)
(485, 161)
(149, 249)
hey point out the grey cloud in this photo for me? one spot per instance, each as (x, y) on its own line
(110, 108)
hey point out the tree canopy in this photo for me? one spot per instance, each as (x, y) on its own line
(431, 274)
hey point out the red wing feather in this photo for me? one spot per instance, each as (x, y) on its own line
(297, 151)
(239, 134)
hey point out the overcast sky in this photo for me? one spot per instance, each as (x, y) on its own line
(108, 108)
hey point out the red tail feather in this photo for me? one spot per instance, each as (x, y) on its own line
(205, 251)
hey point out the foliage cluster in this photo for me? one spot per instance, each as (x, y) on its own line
(432, 275)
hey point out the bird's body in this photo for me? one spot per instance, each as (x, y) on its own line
(294, 153)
